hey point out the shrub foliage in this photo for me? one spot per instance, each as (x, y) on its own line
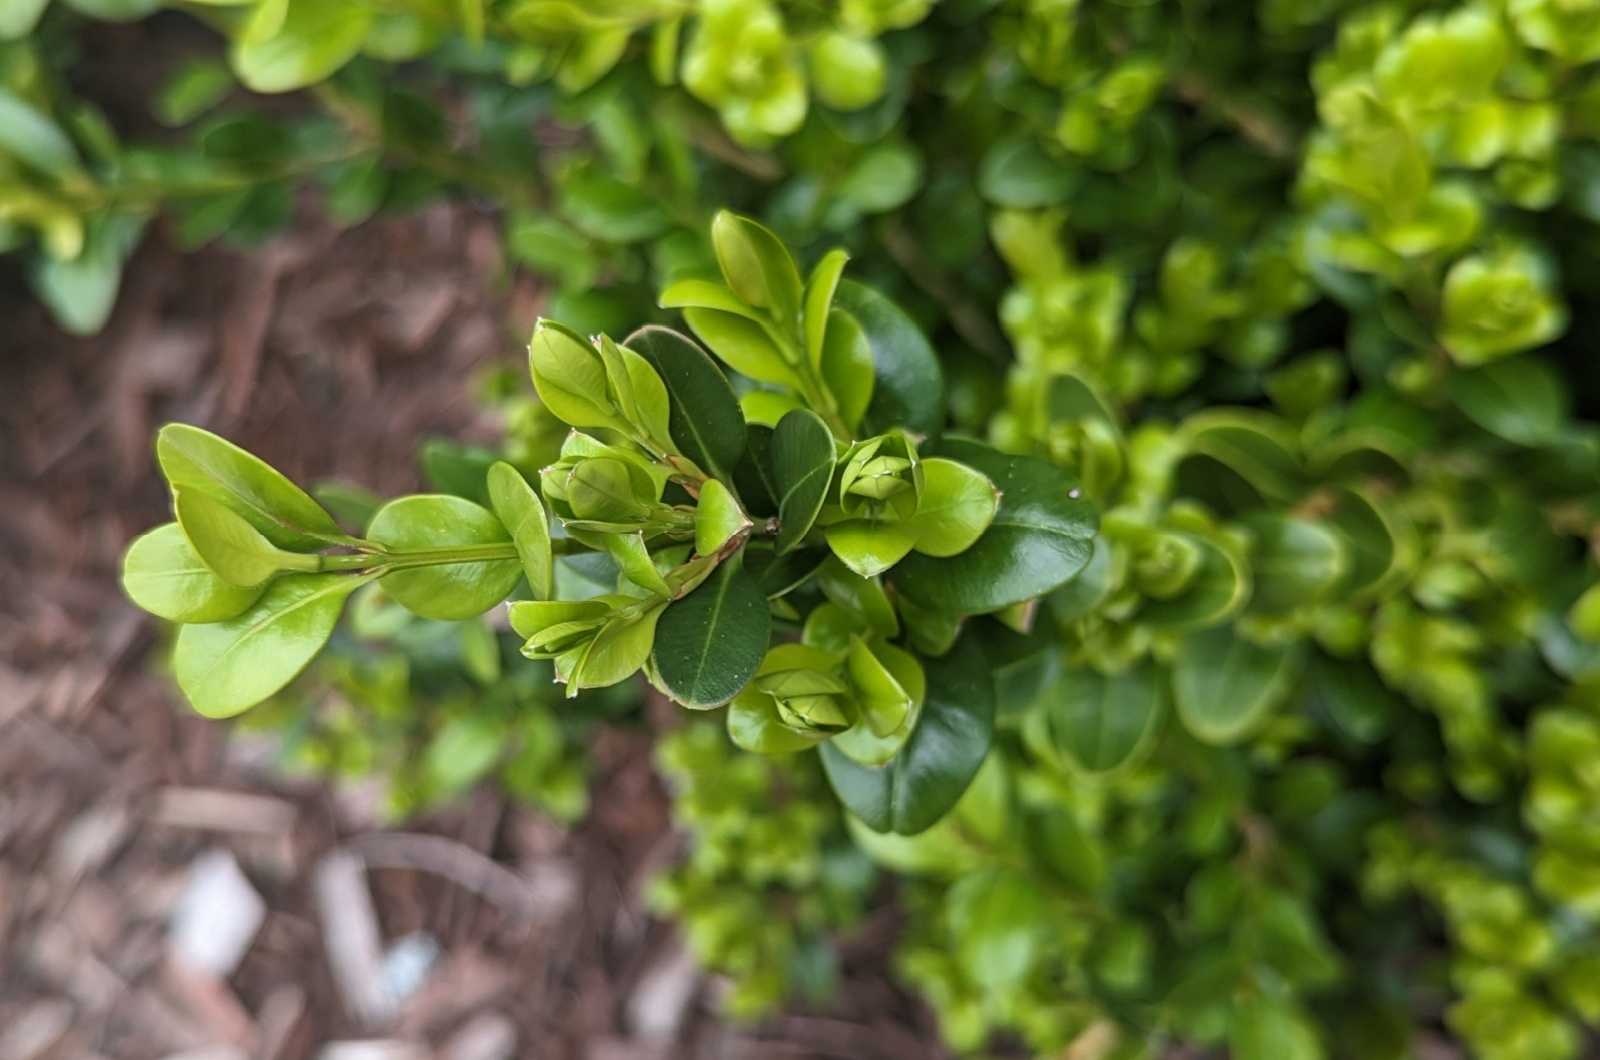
(1173, 530)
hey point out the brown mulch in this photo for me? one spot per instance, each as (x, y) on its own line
(331, 354)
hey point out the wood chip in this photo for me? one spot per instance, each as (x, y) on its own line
(217, 917)
(658, 1004)
(229, 812)
(351, 937)
(489, 1036)
(37, 1031)
(276, 1022)
(372, 1050)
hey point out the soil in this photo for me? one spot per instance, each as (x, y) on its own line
(331, 354)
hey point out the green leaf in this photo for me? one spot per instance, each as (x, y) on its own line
(863, 742)
(958, 504)
(198, 460)
(1017, 174)
(847, 366)
(1523, 400)
(162, 574)
(710, 643)
(885, 705)
(716, 518)
(998, 923)
(604, 489)
(523, 514)
(704, 294)
(640, 392)
(1104, 723)
(1267, 1029)
(802, 456)
(1041, 536)
(819, 302)
(570, 376)
(1295, 562)
(778, 575)
(757, 266)
(705, 421)
(462, 752)
(225, 668)
(633, 559)
(871, 547)
(448, 591)
(1353, 697)
(1226, 686)
(616, 654)
(908, 391)
(1255, 446)
(30, 135)
(315, 38)
(945, 750)
(1219, 589)
(17, 19)
(225, 541)
(743, 345)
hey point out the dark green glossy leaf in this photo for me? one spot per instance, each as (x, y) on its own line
(1041, 536)
(709, 644)
(705, 420)
(802, 455)
(777, 574)
(225, 668)
(283, 512)
(1016, 173)
(448, 591)
(1226, 686)
(162, 574)
(908, 391)
(948, 744)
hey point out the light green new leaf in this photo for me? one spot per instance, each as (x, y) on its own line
(29, 135)
(162, 574)
(314, 39)
(225, 541)
(1226, 686)
(757, 266)
(1104, 723)
(632, 557)
(860, 742)
(1268, 1029)
(17, 19)
(1041, 535)
(225, 668)
(885, 705)
(616, 654)
(604, 489)
(570, 376)
(522, 513)
(704, 420)
(948, 745)
(710, 643)
(448, 591)
(802, 457)
(703, 294)
(819, 301)
(958, 504)
(717, 518)
(847, 366)
(198, 460)
(743, 345)
(870, 547)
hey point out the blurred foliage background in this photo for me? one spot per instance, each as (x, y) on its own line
(1305, 764)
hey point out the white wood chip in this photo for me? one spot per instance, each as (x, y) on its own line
(217, 916)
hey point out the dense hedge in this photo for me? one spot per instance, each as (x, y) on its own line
(1303, 761)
